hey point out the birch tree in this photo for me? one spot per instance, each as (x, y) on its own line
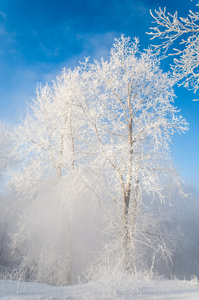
(48, 143)
(183, 32)
(128, 102)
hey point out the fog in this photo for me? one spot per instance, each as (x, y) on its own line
(58, 237)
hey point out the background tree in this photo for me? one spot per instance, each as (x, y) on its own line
(49, 143)
(171, 29)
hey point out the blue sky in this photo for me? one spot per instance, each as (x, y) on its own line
(40, 37)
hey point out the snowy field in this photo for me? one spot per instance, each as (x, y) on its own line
(127, 289)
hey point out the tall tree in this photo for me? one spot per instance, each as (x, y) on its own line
(49, 143)
(128, 102)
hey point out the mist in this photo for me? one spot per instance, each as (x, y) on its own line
(59, 239)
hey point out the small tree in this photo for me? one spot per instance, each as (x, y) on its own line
(171, 28)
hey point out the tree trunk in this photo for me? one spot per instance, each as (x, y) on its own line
(135, 206)
(125, 229)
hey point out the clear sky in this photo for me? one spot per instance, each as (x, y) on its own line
(40, 37)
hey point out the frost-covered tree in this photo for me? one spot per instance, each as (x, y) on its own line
(49, 144)
(100, 132)
(183, 31)
(128, 102)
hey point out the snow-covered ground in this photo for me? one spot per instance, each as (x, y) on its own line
(126, 289)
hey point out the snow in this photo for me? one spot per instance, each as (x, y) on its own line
(126, 289)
